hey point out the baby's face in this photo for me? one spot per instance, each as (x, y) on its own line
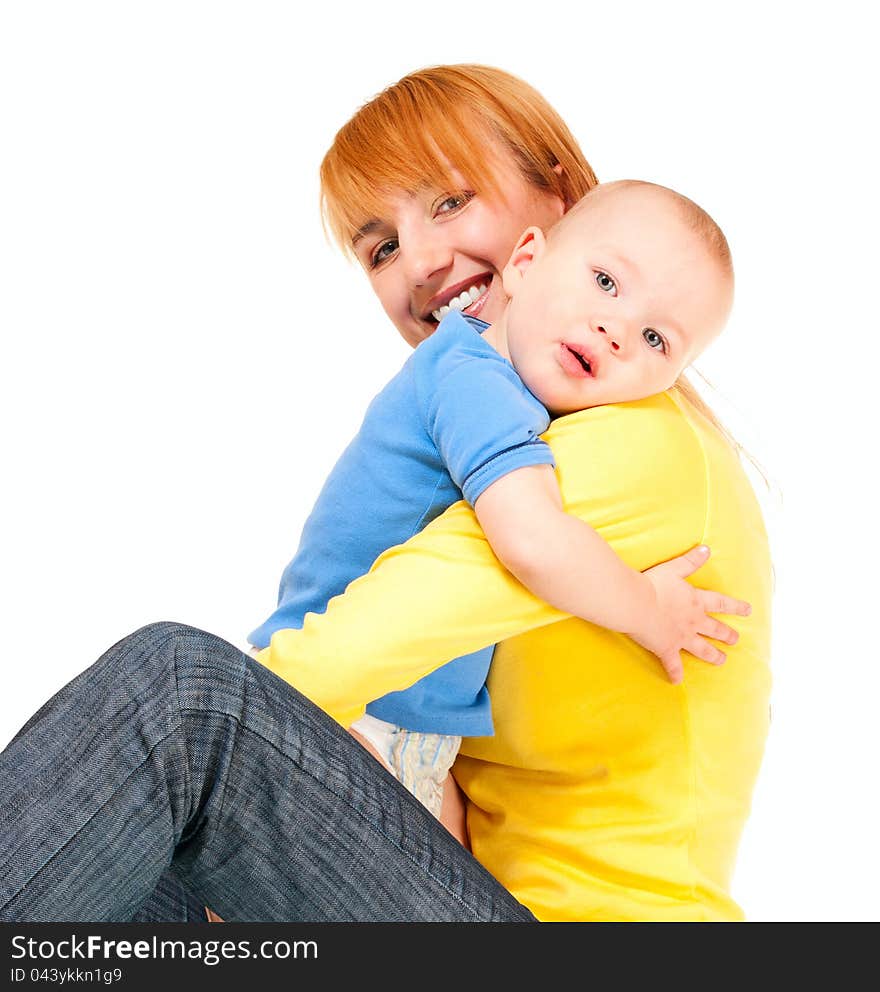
(615, 306)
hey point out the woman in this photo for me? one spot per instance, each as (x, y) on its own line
(605, 792)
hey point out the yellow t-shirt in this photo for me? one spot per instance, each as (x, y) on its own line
(606, 793)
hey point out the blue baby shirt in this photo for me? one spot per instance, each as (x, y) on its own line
(455, 419)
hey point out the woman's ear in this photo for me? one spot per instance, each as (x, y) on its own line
(529, 246)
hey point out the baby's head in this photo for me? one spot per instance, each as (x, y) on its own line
(617, 300)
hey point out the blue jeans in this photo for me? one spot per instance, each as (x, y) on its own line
(177, 770)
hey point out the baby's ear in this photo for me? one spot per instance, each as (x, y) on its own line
(529, 246)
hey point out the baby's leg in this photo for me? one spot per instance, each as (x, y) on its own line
(453, 811)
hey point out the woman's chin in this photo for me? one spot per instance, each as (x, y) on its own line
(416, 332)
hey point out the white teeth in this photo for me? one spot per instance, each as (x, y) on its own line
(460, 302)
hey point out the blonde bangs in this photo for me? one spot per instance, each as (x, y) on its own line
(460, 116)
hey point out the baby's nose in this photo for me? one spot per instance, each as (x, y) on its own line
(612, 339)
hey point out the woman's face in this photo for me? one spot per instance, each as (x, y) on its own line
(437, 248)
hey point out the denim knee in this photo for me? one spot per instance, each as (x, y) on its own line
(161, 645)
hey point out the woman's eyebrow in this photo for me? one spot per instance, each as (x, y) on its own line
(365, 229)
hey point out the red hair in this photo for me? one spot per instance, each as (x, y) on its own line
(453, 115)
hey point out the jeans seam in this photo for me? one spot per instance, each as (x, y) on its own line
(186, 764)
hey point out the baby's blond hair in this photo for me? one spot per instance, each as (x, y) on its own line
(690, 213)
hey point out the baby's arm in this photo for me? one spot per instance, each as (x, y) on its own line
(566, 563)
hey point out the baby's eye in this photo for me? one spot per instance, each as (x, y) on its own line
(382, 251)
(654, 339)
(449, 203)
(606, 283)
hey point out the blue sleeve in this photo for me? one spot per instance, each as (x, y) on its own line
(484, 423)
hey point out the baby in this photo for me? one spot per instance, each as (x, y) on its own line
(610, 306)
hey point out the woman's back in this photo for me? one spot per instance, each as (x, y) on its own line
(606, 792)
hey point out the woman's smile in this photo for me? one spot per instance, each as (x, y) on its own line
(468, 295)
(451, 258)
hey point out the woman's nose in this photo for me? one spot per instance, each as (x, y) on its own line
(424, 256)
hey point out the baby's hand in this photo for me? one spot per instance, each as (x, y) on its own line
(681, 621)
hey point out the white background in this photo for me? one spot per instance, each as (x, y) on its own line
(175, 327)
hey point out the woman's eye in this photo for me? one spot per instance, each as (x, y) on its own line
(450, 202)
(606, 283)
(382, 251)
(654, 339)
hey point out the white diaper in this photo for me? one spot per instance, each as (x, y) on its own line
(420, 762)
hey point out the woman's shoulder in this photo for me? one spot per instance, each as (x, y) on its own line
(646, 436)
(656, 474)
(654, 455)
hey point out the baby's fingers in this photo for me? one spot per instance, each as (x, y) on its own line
(673, 665)
(717, 630)
(700, 648)
(716, 602)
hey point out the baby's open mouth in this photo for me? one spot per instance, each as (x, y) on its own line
(585, 365)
